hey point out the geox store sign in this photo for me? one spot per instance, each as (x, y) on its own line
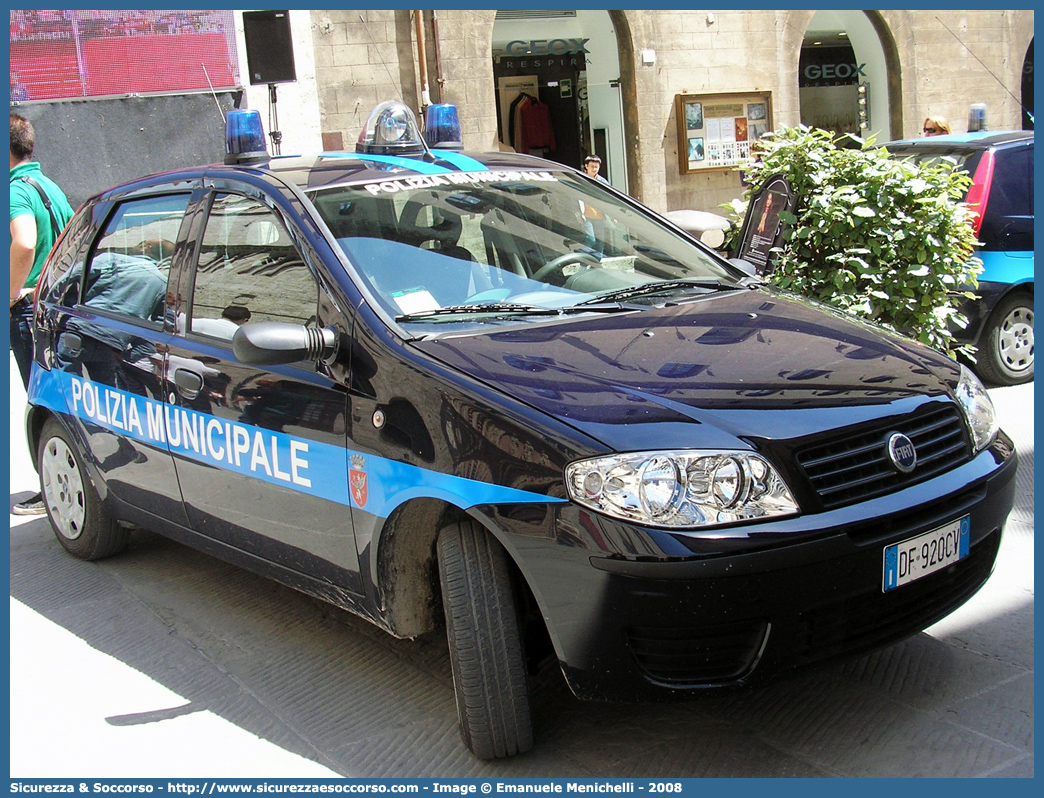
(830, 66)
(547, 47)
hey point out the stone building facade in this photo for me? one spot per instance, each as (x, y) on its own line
(637, 64)
(672, 100)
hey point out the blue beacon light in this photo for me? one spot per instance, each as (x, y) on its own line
(442, 127)
(244, 137)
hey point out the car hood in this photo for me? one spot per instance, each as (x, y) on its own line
(744, 364)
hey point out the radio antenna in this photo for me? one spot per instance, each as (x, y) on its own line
(391, 78)
(966, 47)
(212, 92)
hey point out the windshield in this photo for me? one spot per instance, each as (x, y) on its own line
(494, 247)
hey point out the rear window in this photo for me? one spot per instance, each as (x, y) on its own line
(128, 270)
(1012, 190)
(1008, 223)
(964, 158)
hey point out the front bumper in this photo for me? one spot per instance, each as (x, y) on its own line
(647, 614)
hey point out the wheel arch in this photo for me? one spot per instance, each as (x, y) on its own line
(406, 570)
(35, 418)
(1023, 289)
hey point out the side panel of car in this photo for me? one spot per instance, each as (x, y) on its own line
(430, 446)
(259, 451)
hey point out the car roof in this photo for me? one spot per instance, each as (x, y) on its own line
(335, 168)
(330, 169)
(974, 141)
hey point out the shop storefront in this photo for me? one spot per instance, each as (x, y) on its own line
(557, 78)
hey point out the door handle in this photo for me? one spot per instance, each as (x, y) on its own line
(189, 383)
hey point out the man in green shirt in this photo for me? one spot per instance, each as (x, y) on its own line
(34, 229)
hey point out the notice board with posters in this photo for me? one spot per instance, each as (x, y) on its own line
(715, 131)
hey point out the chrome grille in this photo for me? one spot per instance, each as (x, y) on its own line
(856, 467)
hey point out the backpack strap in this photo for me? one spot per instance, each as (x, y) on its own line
(55, 228)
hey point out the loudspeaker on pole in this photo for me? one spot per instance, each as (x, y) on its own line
(269, 47)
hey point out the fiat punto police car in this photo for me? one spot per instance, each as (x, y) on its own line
(490, 393)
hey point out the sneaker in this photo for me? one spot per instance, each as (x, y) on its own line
(31, 506)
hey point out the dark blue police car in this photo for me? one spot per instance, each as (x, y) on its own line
(491, 393)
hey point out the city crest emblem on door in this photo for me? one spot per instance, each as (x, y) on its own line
(357, 480)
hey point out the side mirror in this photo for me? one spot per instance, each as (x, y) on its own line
(273, 343)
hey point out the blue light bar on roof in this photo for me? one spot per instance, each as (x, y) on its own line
(442, 127)
(244, 137)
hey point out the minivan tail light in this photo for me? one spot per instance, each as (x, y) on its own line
(979, 193)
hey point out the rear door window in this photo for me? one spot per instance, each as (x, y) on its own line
(127, 272)
(1008, 222)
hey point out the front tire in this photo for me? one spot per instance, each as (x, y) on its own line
(485, 644)
(83, 528)
(1006, 352)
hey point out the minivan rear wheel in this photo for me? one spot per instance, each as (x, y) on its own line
(485, 642)
(83, 528)
(1006, 349)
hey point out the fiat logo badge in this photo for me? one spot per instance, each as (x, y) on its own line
(901, 452)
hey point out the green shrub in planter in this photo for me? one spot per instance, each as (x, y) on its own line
(877, 237)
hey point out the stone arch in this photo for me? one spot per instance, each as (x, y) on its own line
(869, 35)
(629, 89)
(1027, 88)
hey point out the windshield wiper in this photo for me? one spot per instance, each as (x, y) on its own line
(659, 287)
(500, 308)
(477, 307)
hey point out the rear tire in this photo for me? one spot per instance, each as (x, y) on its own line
(1006, 350)
(485, 644)
(83, 528)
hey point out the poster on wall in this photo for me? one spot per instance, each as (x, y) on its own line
(715, 131)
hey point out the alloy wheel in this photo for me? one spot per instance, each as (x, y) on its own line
(63, 489)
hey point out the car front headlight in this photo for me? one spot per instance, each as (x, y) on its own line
(978, 409)
(681, 489)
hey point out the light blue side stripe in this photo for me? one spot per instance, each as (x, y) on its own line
(300, 464)
(457, 160)
(461, 161)
(1010, 268)
(409, 164)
